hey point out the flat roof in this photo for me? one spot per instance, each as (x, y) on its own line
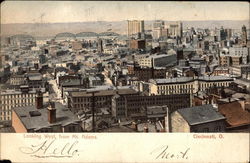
(172, 80)
(189, 79)
(105, 92)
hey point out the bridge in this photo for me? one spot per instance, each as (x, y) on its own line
(67, 35)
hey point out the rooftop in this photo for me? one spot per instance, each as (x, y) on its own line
(34, 118)
(189, 79)
(200, 114)
(172, 80)
(104, 92)
(12, 91)
(234, 113)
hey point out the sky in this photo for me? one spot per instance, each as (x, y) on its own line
(79, 11)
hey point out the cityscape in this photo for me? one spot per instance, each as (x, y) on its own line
(139, 75)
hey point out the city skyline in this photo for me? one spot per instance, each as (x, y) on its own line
(78, 11)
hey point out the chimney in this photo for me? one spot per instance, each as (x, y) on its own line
(39, 100)
(135, 126)
(215, 106)
(243, 104)
(52, 113)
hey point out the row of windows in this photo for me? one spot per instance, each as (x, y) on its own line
(206, 85)
(89, 99)
(14, 96)
(90, 105)
(18, 101)
(5, 118)
(216, 129)
(175, 87)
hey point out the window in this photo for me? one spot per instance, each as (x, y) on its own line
(205, 129)
(217, 129)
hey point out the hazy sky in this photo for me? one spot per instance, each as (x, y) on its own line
(77, 11)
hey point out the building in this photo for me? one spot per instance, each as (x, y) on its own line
(241, 70)
(16, 79)
(157, 33)
(10, 99)
(83, 100)
(49, 118)
(163, 60)
(243, 52)
(137, 44)
(133, 105)
(94, 81)
(36, 80)
(225, 60)
(169, 86)
(42, 58)
(2, 60)
(100, 46)
(244, 35)
(229, 33)
(175, 29)
(158, 23)
(203, 118)
(186, 84)
(221, 34)
(220, 71)
(135, 27)
(146, 73)
(236, 60)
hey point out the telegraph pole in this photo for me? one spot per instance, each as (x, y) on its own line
(93, 109)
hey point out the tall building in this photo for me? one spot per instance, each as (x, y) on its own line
(158, 23)
(3, 59)
(135, 27)
(221, 34)
(229, 33)
(100, 46)
(243, 52)
(244, 35)
(175, 29)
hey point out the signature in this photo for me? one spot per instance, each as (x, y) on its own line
(50, 148)
(163, 152)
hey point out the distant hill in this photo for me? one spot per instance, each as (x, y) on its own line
(51, 29)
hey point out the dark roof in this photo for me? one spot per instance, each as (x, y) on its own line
(34, 118)
(200, 114)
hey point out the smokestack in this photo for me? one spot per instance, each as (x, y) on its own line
(52, 113)
(167, 120)
(39, 100)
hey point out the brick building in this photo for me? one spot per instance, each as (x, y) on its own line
(50, 118)
(129, 105)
